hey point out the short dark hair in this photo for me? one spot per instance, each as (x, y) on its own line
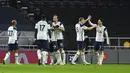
(43, 17)
(81, 18)
(101, 19)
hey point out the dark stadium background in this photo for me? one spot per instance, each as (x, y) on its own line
(115, 15)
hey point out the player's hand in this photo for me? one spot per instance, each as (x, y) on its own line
(57, 26)
(94, 25)
(89, 17)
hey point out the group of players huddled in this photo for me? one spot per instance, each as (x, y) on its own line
(50, 35)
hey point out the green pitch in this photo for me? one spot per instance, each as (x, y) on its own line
(33, 68)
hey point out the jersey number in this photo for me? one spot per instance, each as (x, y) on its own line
(10, 32)
(42, 27)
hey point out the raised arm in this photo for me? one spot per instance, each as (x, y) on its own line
(91, 23)
(89, 17)
(89, 20)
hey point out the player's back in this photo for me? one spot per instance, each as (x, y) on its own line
(80, 32)
(12, 34)
(42, 30)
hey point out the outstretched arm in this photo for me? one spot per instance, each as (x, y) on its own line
(89, 17)
(89, 28)
(91, 23)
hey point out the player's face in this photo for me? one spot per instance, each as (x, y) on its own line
(99, 22)
(55, 18)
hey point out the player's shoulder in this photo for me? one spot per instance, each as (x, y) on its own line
(15, 28)
(104, 27)
(39, 22)
(59, 23)
(10, 27)
(77, 25)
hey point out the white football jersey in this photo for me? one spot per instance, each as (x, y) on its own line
(80, 31)
(53, 38)
(12, 34)
(42, 30)
(100, 30)
(58, 35)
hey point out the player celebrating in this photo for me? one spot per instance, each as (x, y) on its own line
(41, 35)
(80, 27)
(99, 41)
(58, 36)
(12, 42)
(53, 43)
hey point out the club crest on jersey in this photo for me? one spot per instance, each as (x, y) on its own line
(99, 31)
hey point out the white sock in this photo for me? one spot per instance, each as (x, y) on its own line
(63, 56)
(101, 58)
(83, 57)
(16, 58)
(76, 56)
(58, 56)
(7, 56)
(39, 54)
(98, 57)
(52, 57)
(44, 57)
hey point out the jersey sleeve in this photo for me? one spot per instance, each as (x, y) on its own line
(62, 26)
(8, 31)
(49, 27)
(36, 25)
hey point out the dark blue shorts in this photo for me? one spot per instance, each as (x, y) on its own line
(53, 46)
(80, 45)
(60, 44)
(12, 47)
(98, 46)
(43, 44)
